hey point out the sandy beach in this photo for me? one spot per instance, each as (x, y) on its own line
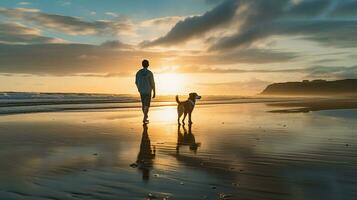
(232, 151)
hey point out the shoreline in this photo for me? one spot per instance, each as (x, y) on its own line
(287, 105)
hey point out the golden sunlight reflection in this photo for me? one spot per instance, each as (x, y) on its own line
(170, 83)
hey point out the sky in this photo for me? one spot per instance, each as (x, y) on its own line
(223, 47)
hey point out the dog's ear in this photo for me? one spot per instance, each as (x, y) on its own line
(191, 94)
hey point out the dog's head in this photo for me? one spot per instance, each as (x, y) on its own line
(194, 95)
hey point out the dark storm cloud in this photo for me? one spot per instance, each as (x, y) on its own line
(198, 25)
(67, 24)
(17, 33)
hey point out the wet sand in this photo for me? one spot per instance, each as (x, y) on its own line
(308, 105)
(232, 151)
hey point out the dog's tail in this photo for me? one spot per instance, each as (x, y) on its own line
(177, 99)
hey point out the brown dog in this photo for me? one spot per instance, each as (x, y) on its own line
(186, 107)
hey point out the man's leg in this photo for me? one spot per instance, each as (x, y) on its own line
(147, 106)
(146, 111)
(145, 99)
(142, 97)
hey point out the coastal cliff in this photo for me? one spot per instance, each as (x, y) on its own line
(315, 87)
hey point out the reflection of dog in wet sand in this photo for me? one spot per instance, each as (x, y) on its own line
(186, 139)
(186, 107)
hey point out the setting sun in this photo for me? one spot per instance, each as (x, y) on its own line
(170, 83)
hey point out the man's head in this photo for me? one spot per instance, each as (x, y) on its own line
(145, 63)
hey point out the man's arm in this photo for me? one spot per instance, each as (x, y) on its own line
(136, 79)
(152, 83)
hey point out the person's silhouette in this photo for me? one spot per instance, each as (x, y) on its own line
(145, 83)
(146, 154)
(186, 139)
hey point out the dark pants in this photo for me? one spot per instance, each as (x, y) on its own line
(145, 101)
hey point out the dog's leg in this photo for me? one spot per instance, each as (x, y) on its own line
(178, 119)
(184, 117)
(179, 114)
(189, 118)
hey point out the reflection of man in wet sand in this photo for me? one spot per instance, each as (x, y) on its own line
(146, 154)
(186, 139)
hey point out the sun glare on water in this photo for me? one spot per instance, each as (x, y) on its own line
(169, 83)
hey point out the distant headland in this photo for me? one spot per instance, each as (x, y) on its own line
(314, 87)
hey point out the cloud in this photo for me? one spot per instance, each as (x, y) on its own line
(250, 56)
(250, 86)
(66, 3)
(116, 44)
(221, 70)
(113, 58)
(314, 72)
(251, 82)
(348, 8)
(328, 22)
(162, 22)
(16, 33)
(70, 59)
(23, 3)
(112, 14)
(102, 75)
(305, 19)
(308, 8)
(195, 26)
(69, 25)
(331, 72)
(339, 33)
(213, 1)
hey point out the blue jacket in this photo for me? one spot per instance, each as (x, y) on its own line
(145, 81)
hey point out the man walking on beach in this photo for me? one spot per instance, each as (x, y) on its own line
(145, 83)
